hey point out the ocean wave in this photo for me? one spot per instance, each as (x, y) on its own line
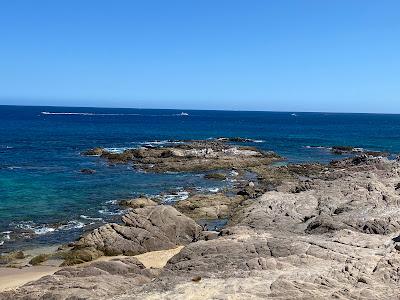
(161, 143)
(13, 168)
(106, 211)
(41, 229)
(91, 218)
(36, 229)
(117, 150)
(4, 236)
(170, 198)
(113, 202)
(213, 190)
(72, 225)
(318, 147)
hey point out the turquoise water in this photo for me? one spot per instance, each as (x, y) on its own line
(45, 200)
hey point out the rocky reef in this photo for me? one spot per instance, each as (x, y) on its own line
(189, 156)
(306, 231)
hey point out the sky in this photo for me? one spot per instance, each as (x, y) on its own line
(286, 55)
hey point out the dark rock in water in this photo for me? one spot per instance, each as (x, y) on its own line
(234, 139)
(87, 171)
(145, 229)
(342, 149)
(215, 176)
(339, 150)
(94, 152)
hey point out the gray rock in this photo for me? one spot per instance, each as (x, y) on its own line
(145, 229)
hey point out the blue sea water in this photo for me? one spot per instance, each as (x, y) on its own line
(44, 199)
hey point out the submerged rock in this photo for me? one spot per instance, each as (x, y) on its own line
(87, 171)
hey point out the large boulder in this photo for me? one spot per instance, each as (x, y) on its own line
(144, 229)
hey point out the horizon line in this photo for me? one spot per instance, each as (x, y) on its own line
(204, 109)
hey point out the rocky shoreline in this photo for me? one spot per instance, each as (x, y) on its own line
(307, 231)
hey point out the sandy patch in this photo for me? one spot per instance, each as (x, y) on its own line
(11, 278)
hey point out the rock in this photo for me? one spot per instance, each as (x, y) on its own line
(138, 202)
(94, 152)
(208, 206)
(337, 239)
(145, 229)
(208, 235)
(342, 149)
(87, 171)
(215, 176)
(10, 257)
(98, 280)
(196, 279)
(235, 139)
(39, 259)
(191, 156)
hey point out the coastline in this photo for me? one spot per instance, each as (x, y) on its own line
(291, 227)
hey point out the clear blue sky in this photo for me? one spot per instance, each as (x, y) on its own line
(341, 55)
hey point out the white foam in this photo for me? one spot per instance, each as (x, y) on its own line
(72, 225)
(114, 202)
(317, 147)
(117, 150)
(91, 218)
(234, 173)
(107, 212)
(43, 230)
(179, 196)
(214, 190)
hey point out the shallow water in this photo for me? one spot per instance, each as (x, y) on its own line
(45, 200)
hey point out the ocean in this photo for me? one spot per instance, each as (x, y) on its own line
(45, 200)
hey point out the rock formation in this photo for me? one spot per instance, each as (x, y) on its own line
(325, 232)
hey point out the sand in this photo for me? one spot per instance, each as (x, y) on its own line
(11, 278)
